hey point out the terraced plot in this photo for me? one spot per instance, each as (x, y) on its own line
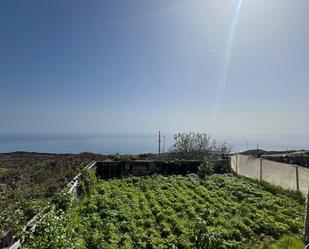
(183, 212)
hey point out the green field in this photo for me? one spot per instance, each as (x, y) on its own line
(182, 212)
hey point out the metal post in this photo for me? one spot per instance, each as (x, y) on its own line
(159, 142)
(306, 234)
(297, 178)
(163, 143)
(261, 169)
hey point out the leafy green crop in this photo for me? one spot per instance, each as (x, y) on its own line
(180, 212)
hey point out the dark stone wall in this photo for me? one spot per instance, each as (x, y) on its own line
(6, 239)
(117, 169)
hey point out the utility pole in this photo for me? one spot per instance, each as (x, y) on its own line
(257, 150)
(163, 143)
(159, 142)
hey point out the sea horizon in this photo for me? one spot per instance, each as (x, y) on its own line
(132, 143)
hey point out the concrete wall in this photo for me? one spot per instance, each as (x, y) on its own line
(248, 166)
(303, 174)
(234, 163)
(280, 174)
(285, 175)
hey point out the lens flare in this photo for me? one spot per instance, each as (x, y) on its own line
(226, 62)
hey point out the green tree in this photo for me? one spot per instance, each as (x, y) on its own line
(196, 146)
(207, 167)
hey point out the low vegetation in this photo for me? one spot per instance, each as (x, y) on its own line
(213, 209)
(28, 182)
(220, 212)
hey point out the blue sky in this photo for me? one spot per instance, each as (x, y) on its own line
(100, 66)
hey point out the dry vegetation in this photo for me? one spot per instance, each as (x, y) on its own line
(28, 181)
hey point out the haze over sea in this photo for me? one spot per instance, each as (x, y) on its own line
(132, 143)
(233, 68)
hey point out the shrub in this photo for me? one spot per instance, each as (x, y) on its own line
(196, 146)
(222, 166)
(88, 182)
(53, 232)
(63, 201)
(206, 168)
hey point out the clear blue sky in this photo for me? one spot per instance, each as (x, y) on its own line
(96, 66)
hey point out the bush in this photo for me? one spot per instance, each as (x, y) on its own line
(88, 182)
(55, 231)
(206, 168)
(222, 166)
(196, 146)
(63, 201)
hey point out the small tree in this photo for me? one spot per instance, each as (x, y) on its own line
(63, 201)
(206, 168)
(222, 148)
(191, 145)
(196, 146)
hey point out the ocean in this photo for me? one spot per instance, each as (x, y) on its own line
(133, 143)
(96, 143)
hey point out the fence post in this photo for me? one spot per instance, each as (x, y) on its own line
(261, 169)
(297, 178)
(306, 233)
(237, 164)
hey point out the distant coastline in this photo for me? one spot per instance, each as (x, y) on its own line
(131, 143)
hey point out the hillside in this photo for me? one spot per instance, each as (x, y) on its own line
(29, 180)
